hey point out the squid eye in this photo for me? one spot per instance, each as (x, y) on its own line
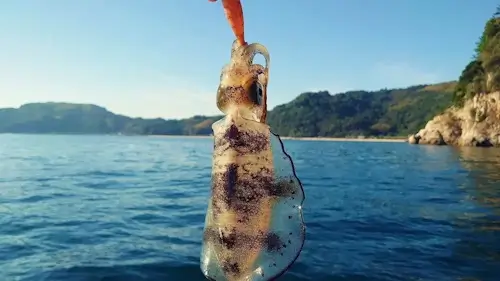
(255, 92)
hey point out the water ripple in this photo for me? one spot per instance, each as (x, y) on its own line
(132, 208)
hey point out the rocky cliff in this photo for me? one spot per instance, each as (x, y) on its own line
(474, 119)
(476, 123)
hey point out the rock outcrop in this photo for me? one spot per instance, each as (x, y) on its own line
(474, 120)
(477, 123)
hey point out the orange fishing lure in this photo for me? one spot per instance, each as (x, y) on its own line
(234, 15)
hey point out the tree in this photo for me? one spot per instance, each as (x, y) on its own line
(482, 74)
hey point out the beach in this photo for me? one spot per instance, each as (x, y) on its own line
(302, 138)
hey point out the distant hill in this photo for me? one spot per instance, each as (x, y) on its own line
(68, 118)
(388, 112)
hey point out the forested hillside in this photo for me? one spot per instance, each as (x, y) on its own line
(388, 112)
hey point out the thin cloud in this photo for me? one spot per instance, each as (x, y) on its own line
(150, 96)
(401, 74)
(332, 86)
(168, 97)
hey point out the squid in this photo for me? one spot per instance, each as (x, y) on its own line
(254, 227)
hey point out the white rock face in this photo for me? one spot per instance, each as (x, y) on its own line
(477, 123)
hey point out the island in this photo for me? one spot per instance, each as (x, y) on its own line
(474, 117)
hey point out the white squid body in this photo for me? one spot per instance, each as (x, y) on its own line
(254, 228)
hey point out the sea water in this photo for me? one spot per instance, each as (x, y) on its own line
(132, 208)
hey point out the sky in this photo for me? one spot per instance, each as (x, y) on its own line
(162, 58)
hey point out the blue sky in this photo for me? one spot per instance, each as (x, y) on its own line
(162, 58)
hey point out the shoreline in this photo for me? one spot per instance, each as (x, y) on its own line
(345, 139)
(394, 139)
(301, 138)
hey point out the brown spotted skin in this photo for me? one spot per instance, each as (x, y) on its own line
(254, 228)
(237, 78)
(241, 176)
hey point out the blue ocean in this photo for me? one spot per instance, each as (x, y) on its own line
(118, 208)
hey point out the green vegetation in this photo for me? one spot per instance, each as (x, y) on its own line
(67, 118)
(396, 112)
(482, 74)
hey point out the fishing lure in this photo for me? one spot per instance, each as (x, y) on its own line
(254, 228)
(234, 15)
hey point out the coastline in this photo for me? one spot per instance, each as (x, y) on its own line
(301, 138)
(346, 139)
